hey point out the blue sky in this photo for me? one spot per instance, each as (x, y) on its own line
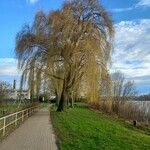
(132, 39)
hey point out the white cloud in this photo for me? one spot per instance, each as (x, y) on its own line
(122, 9)
(132, 50)
(8, 66)
(140, 3)
(32, 1)
(145, 3)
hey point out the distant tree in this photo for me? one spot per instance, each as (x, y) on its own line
(122, 89)
(4, 90)
(69, 48)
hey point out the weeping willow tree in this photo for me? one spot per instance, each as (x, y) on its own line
(69, 48)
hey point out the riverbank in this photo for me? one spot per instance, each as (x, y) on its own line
(82, 128)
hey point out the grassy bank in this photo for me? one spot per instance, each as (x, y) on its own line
(84, 129)
(6, 109)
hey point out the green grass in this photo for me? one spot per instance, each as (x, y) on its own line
(83, 129)
(44, 105)
(10, 108)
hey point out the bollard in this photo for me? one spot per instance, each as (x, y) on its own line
(134, 123)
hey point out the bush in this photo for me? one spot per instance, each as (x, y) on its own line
(126, 110)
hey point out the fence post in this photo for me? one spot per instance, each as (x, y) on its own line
(27, 113)
(22, 115)
(16, 120)
(4, 128)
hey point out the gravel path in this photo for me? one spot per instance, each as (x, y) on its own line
(36, 133)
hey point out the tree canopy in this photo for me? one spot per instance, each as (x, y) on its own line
(67, 51)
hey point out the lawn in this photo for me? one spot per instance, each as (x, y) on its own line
(83, 129)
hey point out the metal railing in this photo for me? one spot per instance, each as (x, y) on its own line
(15, 117)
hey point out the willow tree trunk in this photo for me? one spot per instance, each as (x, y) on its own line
(64, 95)
(57, 98)
(62, 101)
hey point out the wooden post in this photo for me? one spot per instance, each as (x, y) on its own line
(4, 129)
(16, 120)
(22, 115)
(27, 113)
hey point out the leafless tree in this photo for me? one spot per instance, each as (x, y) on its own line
(4, 90)
(122, 89)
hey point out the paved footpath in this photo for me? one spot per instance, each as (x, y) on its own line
(35, 133)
